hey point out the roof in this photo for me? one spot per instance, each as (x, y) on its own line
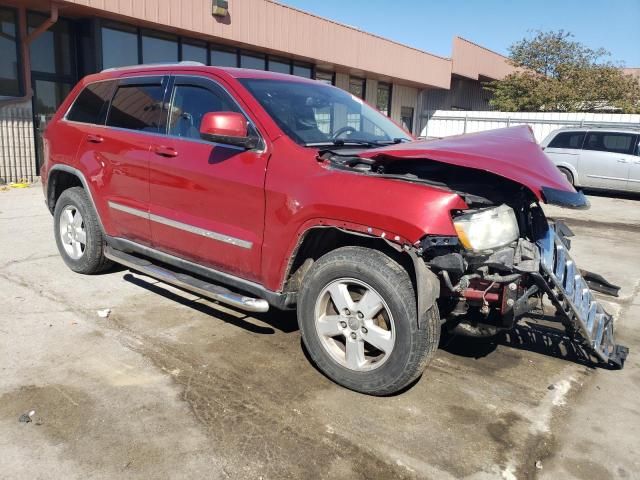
(610, 128)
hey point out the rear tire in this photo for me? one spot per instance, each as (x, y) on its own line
(334, 313)
(78, 234)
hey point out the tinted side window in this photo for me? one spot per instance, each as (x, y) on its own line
(190, 103)
(567, 140)
(137, 107)
(610, 142)
(92, 104)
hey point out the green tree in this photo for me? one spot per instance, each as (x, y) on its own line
(557, 74)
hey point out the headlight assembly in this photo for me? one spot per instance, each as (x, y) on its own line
(487, 229)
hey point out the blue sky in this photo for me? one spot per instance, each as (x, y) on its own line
(430, 24)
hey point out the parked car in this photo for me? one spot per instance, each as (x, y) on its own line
(597, 157)
(261, 190)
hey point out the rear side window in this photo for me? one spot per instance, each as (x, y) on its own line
(138, 107)
(567, 140)
(92, 104)
(610, 142)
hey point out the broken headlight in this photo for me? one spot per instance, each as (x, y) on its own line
(487, 229)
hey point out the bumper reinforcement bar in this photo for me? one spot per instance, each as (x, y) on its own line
(584, 317)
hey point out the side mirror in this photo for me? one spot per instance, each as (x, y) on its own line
(231, 128)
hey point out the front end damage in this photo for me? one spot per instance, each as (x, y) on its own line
(506, 255)
(485, 292)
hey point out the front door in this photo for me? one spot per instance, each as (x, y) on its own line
(206, 199)
(605, 160)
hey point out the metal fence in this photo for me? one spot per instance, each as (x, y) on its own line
(17, 147)
(444, 123)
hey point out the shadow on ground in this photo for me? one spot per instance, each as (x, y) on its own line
(539, 334)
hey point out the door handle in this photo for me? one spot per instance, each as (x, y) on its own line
(165, 151)
(95, 139)
(622, 160)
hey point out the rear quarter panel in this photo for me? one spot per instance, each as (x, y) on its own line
(568, 158)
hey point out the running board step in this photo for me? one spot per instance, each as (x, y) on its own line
(187, 282)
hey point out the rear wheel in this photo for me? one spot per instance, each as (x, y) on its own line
(78, 235)
(357, 315)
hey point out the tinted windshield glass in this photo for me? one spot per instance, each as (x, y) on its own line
(319, 114)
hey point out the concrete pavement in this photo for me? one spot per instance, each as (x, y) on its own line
(174, 386)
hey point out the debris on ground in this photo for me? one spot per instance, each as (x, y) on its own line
(539, 465)
(27, 417)
(551, 387)
(104, 313)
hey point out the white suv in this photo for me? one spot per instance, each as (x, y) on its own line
(597, 157)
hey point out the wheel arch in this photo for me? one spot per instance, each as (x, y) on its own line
(62, 177)
(571, 169)
(317, 241)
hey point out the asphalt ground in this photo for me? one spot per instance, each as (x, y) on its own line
(170, 385)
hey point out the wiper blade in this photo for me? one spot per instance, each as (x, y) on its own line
(354, 141)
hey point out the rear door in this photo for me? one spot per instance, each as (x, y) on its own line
(634, 171)
(206, 199)
(606, 159)
(118, 155)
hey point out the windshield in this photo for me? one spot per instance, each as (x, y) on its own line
(317, 114)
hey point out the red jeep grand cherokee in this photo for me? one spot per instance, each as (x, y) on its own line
(258, 189)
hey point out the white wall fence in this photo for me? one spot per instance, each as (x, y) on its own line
(444, 123)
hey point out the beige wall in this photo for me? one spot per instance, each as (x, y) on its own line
(371, 91)
(403, 96)
(281, 29)
(472, 61)
(342, 81)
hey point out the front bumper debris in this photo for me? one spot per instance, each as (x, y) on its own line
(584, 317)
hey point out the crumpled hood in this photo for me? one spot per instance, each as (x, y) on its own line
(512, 153)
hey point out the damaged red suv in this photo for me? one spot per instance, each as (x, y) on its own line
(262, 190)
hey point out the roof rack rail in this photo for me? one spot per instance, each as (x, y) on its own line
(626, 126)
(184, 63)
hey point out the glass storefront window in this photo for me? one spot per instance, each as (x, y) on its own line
(119, 47)
(356, 87)
(252, 61)
(51, 51)
(383, 98)
(49, 96)
(9, 69)
(279, 65)
(324, 77)
(159, 48)
(302, 70)
(406, 118)
(193, 52)
(221, 57)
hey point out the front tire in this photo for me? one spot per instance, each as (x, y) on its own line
(357, 316)
(78, 234)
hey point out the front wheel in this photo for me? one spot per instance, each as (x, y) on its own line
(357, 316)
